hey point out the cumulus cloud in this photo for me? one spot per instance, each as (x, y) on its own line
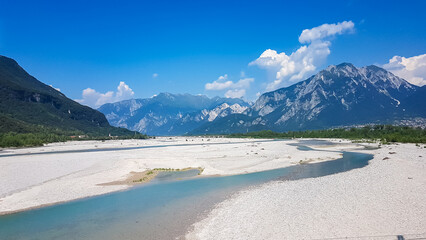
(325, 30)
(294, 67)
(412, 69)
(234, 89)
(94, 99)
(154, 75)
(220, 84)
(235, 93)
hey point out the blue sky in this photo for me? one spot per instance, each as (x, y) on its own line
(76, 45)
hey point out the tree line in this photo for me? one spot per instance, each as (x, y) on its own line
(13, 139)
(382, 133)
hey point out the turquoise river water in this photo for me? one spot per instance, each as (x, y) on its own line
(162, 209)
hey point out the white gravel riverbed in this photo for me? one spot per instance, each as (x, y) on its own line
(380, 201)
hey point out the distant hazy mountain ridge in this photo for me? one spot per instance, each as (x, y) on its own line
(170, 114)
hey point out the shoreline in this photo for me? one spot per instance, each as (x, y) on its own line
(128, 187)
(244, 156)
(138, 178)
(384, 198)
(130, 182)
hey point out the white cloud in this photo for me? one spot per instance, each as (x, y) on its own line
(94, 99)
(235, 93)
(57, 89)
(219, 84)
(154, 75)
(123, 92)
(304, 61)
(235, 89)
(243, 83)
(223, 78)
(412, 69)
(325, 30)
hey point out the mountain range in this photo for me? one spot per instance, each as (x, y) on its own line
(337, 96)
(29, 106)
(170, 114)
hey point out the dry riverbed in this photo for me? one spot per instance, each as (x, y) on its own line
(385, 199)
(33, 177)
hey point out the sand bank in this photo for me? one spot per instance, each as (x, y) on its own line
(38, 179)
(380, 201)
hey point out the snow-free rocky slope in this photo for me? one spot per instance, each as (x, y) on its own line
(170, 114)
(340, 95)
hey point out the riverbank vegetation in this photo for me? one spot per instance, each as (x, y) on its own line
(39, 139)
(44, 135)
(383, 133)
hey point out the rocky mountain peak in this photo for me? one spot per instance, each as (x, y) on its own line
(341, 70)
(338, 95)
(170, 114)
(384, 79)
